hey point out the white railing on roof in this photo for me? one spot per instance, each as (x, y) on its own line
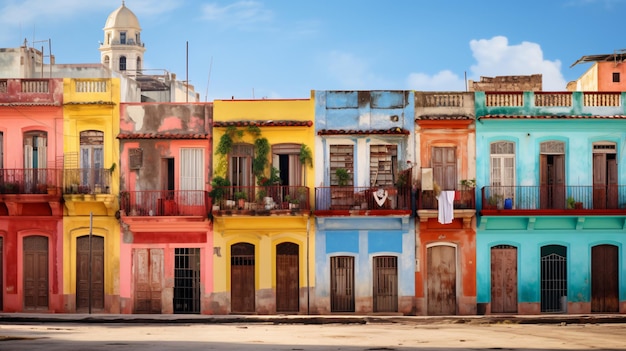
(443, 100)
(35, 86)
(91, 86)
(553, 99)
(598, 99)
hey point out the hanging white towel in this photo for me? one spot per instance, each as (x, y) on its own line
(446, 207)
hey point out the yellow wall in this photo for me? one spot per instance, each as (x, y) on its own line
(92, 104)
(262, 231)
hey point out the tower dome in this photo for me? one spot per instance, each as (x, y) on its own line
(122, 49)
(122, 17)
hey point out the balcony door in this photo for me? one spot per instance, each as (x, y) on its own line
(286, 158)
(605, 190)
(91, 160)
(444, 167)
(552, 175)
(502, 171)
(35, 157)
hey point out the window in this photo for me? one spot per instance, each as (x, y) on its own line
(122, 63)
(615, 77)
(341, 156)
(444, 167)
(107, 61)
(286, 158)
(35, 158)
(91, 158)
(122, 37)
(138, 63)
(383, 165)
(240, 165)
(502, 175)
(138, 38)
(192, 173)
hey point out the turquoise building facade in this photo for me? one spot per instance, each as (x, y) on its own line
(551, 230)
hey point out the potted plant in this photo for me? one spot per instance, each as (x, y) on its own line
(219, 187)
(343, 177)
(241, 197)
(571, 203)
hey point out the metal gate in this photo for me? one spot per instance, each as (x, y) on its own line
(35, 273)
(504, 279)
(242, 285)
(85, 269)
(187, 280)
(342, 284)
(554, 278)
(287, 278)
(605, 278)
(385, 284)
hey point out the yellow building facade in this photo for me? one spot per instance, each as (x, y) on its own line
(263, 248)
(91, 228)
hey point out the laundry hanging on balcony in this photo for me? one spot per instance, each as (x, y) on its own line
(446, 207)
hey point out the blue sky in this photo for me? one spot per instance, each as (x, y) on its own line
(286, 48)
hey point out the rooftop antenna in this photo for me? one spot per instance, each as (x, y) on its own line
(206, 93)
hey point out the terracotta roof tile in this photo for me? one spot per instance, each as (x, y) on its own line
(552, 117)
(30, 104)
(263, 123)
(100, 102)
(444, 117)
(162, 136)
(390, 131)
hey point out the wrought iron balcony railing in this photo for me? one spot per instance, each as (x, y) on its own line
(259, 199)
(341, 198)
(29, 180)
(87, 181)
(463, 199)
(554, 197)
(164, 203)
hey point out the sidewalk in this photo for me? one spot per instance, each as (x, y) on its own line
(306, 319)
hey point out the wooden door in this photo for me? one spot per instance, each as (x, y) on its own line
(35, 271)
(82, 273)
(342, 284)
(287, 278)
(1, 259)
(242, 282)
(605, 191)
(444, 167)
(385, 285)
(604, 278)
(504, 279)
(552, 181)
(148, 280)
(441, 282)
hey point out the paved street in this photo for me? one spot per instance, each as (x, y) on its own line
(350, 337)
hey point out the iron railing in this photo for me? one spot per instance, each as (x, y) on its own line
(554, 197)
(87, 181)
(29, 180)
(362, 198)
(164, 203)
(260, 198)
(463, 199)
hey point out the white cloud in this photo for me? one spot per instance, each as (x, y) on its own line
(352, 72)
(241, 14)
(442, 81)
(495, 57)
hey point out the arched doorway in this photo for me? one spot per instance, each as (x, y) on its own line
(35, 271)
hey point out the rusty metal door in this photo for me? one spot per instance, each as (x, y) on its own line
(82, 273)
(385, 293)
(287, 278)
(187, 280)
(604, 278)
(242, 282)
(35, 273)
(148, 280)
(504, 279)
(342, 284)
(441, 282)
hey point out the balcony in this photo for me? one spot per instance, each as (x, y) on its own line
(30, 181)
(260, 200)
(362, 201)
(463, 200)
(87, 181)
(553, 200)
(164, 203)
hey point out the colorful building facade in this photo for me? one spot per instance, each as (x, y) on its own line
(263, 235)
(445, 250)
(166, 244)
(364, 227)
(31, 210)
(91, 230)
(550, 237)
